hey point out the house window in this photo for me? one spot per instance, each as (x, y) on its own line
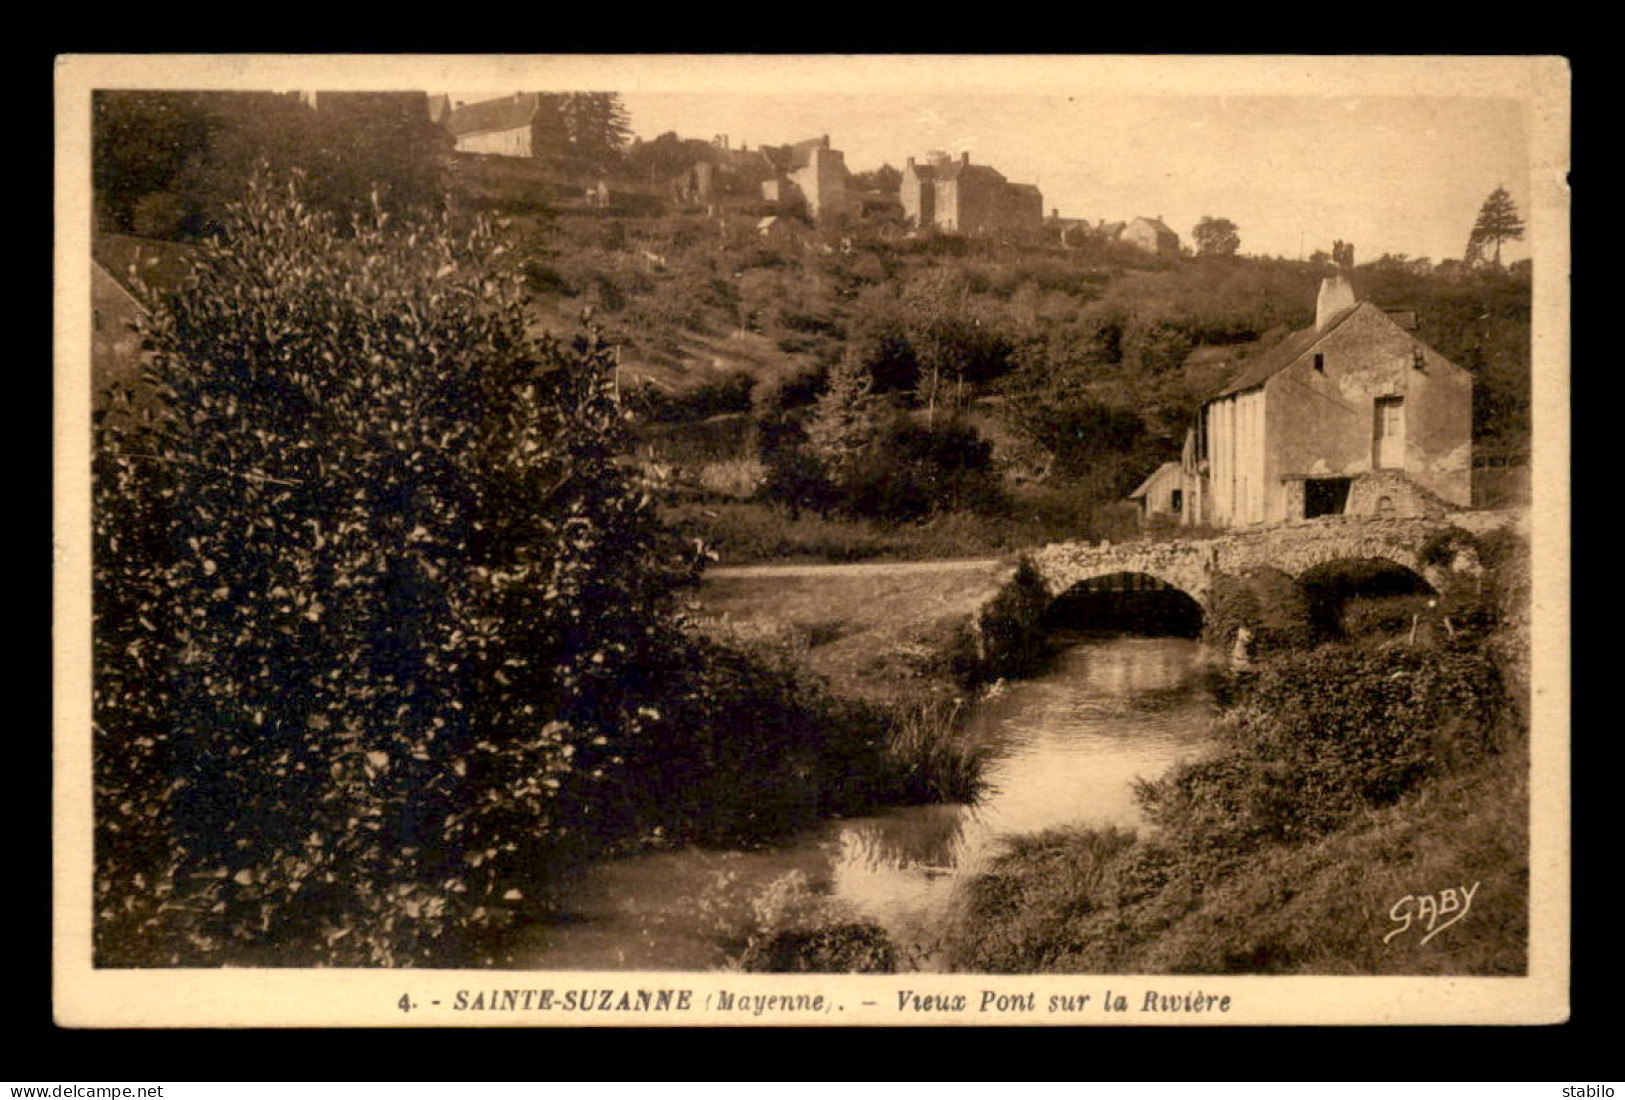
(1320, 362)
(1419, 359)
(1325, 496)
(1176, 500)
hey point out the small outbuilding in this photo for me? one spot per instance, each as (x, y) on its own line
(1161, 494)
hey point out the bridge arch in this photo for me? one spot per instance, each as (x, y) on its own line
(1127, 600)
(1335, 585)
(1305, 560)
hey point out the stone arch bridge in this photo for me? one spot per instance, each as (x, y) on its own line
(1191, 566)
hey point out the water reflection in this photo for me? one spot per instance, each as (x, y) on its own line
(1070, 746)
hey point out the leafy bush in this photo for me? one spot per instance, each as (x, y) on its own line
(849, 948)
(1384, 616)
(1268, 603)
(1319, 736)
(380, 618)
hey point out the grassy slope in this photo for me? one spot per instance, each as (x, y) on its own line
(1319, 908)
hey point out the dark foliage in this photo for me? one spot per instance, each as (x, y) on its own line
(1320, 736)
(380, 616)
(1268, 603)
(849, 948)
(915, 469)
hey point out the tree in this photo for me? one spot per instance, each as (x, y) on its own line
(171, 162)
(844, 421)
(885, 179)
(1497, 222)
(139, 142)
(380, 615)
(598, 126)
(1216, 237)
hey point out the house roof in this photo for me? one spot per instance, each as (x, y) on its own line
(1156, 475)
(958, 170)
(1261, 368)
(133, 261)
(1155, 223)
(788, 157)
(1025, 188)
(508, 113)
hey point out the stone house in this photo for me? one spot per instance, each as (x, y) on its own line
(1352, 416)
(809, 178)
(1150, 235)
(960, 197)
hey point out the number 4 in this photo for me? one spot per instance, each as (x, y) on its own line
(405, 1003)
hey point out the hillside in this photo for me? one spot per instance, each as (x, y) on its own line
(712, 317)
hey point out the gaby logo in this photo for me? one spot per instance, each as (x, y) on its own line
(1430, 911)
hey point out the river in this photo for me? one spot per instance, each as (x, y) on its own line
(1069, 745)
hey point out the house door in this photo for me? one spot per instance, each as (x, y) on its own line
(1390, 433)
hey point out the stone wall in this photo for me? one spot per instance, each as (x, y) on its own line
(1385, 493)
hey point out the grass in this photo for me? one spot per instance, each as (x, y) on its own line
(743, 532)
(936, 759)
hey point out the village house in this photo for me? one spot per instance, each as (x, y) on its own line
(1150, 235)
(1161, 495)
(1352, 416)
(809, 178)
(520, 125)
(960, 197)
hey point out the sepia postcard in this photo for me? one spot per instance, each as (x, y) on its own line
(832, 541)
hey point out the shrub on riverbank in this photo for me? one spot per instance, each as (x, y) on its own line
(380, 613)
(1268, 603)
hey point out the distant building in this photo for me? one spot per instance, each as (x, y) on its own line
(1353, 415)
(960, 197)
(1161, 494)
(524, 124)
(1150, 235)
(808, 177)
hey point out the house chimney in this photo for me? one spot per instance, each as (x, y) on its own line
(964, 158)
(1336, 295)
(911, 162)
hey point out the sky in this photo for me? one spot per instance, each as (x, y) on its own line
(1389, 173)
